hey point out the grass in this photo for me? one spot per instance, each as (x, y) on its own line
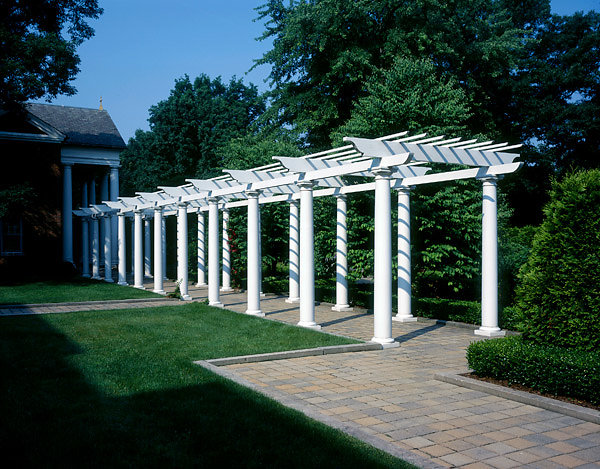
(78, 289)
(118, 388)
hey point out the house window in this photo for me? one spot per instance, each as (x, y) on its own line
(11, 237)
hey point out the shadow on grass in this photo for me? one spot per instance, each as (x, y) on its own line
(52, 416)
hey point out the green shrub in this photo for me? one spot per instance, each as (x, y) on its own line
(449, 310)
(553, 370)
(559, 293)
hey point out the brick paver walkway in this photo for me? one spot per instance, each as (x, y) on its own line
(392, 394)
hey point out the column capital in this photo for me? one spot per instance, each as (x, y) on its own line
(182, 204)
(158, 209)
(343, 197)
(121, 214)
(212, 200)
(489, 180)
(67, 164)
(382, 173)
(404, 189)
(305, 185)
(254, 193)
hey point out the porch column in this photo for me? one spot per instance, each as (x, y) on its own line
(201, 254)
(114, 196)
(108, 249)
(182, 251)
(382, 310)
(213, 253)
(158, 247)
(294, 253)
(122, 279)
(404, 258)
(103, 197)
(95, 249)
(307, 257)
(226, 253)
(91, 200)
(253, 272)
(341, 283)
(489, 262)
(138, 247)
(147, 248)
(85, 248)
(67, 213)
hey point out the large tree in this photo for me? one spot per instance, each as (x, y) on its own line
(38, 46)
(187, 131)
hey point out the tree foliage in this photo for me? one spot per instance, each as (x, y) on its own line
(559, 294)
(39, 39)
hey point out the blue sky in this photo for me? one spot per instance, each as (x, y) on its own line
(142, 46)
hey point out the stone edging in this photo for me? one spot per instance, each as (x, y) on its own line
(263, 357)
(565, 408)
(306, 409)
(84, 303)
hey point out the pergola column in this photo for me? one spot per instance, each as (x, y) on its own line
(67, 212)
(108, 249)
(133, 246)
(95, 249)
(201, 251)
(103, 197)
(226, 253)
(163, 229)
(307, 257)
(91, 200)
(158, 255)
(294, 253)
(182, 251)
(382, 310)
(122, 279)
(85, 248)
(138, 270)
(489, 262)
(341, 282)
(213, 253)
(114, 196)
(254, 261)
(404, 258)
(147, 248)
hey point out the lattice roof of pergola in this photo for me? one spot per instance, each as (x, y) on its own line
(402, 155)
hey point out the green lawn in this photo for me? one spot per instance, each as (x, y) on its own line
(118, 388)
(79, 289)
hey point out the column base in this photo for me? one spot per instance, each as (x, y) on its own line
(186, 297)
(309, 325)
(404, 319)
(109, 280)
(262, 295)
(160, 292)
(202, 284)
(148, 276)
(386, 343)
(123, 284)
(292, 300)
(139, 287)
(96, 277)
(226, 289)
(341, 308)
(216, 304)
(490, 332)
(256, 312)
(85, 275)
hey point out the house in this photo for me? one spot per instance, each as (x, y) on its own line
(54, 159)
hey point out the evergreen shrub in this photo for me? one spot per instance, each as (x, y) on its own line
(559, 294)
(553, 370)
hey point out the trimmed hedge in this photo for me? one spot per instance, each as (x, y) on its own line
(552, 370)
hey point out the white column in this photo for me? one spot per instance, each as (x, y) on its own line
(164, 247)
(226, 253)
(489, 262)
(85, 248)
(95, 250)
(158, 255)
(201, 251)
(147, 248)
(253, 273)
(213, 253)
(382, 310)
(138, 270)
(67, 213)
(260, 272)
(91, 200)
(307, 257)
(122, 279)
(133, 246)
(404, 264)
(294, 253)
(103, 197)
(182, 250)
(114, 195)
(341, 282)
(108, 249)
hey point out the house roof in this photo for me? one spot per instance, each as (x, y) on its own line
(82, 126)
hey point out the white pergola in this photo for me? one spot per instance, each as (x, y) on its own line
(393, 162)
